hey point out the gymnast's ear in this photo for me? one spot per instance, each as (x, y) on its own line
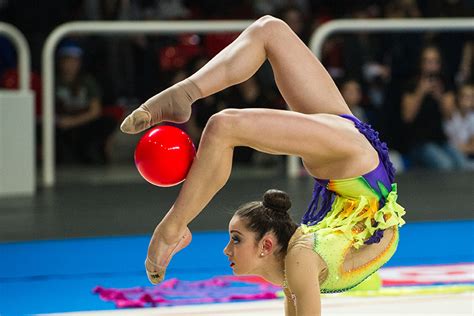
(268, 244)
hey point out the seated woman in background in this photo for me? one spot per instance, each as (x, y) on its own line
(82, 132)
(425, 104)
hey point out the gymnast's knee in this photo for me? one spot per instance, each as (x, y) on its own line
(268, 24)
(221, 125)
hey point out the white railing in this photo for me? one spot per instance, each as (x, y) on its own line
(106, 28)
(21, 46)
(377, 25)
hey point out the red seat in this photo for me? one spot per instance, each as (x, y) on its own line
(114, 111)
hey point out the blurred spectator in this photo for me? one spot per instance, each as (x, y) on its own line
(424, 103)
(352, 94)
(361, 105)
(81, 130)
(460, 124)
(296, 20)
(466, 66)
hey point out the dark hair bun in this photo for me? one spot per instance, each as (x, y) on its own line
(277, 200)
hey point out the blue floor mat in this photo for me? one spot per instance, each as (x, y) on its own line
(58, 276)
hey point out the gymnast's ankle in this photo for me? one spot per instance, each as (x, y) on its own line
(172, 104)
(169, 234)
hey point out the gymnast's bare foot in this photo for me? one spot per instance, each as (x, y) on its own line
(172, 105)
(160, 252)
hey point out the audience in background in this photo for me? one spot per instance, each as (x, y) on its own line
(459, 125)
(425, 103)
(409, 112)
(82, 132)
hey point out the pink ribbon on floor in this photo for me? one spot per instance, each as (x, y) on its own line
(178, 292)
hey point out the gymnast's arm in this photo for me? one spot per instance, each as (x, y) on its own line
(70, 121)
(302, 271)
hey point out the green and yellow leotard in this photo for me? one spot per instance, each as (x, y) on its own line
(349, 214)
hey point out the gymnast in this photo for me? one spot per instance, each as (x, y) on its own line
(351, 226)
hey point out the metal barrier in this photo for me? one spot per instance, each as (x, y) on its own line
(24, 59)
(377, 25)
(116, 28)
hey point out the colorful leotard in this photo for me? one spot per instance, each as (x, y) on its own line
(347, 213)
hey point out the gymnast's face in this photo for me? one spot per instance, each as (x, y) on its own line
(242, 249)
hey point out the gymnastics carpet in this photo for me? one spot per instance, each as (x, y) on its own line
(434, 262)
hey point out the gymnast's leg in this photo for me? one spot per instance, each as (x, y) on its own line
(302, 80)
(270, 131)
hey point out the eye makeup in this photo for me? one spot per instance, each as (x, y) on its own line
(235, 239)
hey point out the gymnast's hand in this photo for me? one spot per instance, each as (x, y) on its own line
(172, 104)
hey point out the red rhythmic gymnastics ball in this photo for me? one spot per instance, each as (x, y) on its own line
(164, 155)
